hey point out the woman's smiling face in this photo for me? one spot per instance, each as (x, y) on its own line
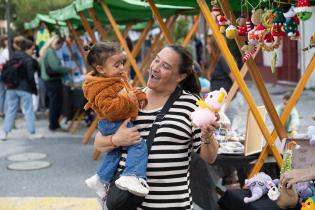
(164, 75)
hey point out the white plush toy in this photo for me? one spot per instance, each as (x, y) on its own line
(205, 112)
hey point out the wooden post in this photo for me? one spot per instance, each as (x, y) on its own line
(126, 30)
(123, 42)
(77, 40)
(97, 23)
(160, 21)
(137, 47)
(235, 71)
(87, 27)
(90, 131)
(285, 115)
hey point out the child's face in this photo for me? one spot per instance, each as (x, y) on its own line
(113, 66)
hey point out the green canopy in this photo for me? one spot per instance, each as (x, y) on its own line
(43, 18)
(67, 13)
(126, 11)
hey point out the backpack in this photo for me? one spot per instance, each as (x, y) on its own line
(11, 71)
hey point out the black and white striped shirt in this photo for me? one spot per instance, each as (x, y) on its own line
(170, 155)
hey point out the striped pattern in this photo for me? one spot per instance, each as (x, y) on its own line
(170, 155)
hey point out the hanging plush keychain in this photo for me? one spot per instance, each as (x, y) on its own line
(278, 22)
(291, 23)
(303, 9)
(273, 62)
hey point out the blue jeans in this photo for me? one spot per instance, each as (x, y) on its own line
(2, 97)
(12, 99)
(137, 158)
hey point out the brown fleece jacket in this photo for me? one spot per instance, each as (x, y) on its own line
(104, 97)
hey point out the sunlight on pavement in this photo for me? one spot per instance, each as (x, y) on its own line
(48, 203)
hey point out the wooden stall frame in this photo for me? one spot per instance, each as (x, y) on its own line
(97, 23)
(87, 27)
(286, 113)
(235, 71)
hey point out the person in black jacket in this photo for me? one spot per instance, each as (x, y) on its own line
(22, 92)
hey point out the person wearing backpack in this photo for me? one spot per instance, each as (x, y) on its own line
(22, 91)
(52, 73)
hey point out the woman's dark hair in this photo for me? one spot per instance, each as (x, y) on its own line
(191, 82)
(26, 44)
(100, 52)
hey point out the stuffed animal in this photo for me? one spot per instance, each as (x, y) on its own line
(205, 112)
(241, 22)
(257, 186)
(304, 190)
(309, 204)
(273, 192)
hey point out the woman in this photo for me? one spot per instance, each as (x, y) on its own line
(53, 84)
(4, 56)
(23, 92)
(170, 156)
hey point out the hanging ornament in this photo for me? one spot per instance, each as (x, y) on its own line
(252, 36)
(257, 16)
(303, 9)
(241, 25)
(267, 18)
(273, 61)
(223, 22)
(278, 22)
(265, 39)
(291, 23)
(249, 50)
(231, 32)
(248, 25)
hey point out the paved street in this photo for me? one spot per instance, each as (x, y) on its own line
(61, 186)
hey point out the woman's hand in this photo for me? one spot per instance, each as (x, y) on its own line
(124, 136)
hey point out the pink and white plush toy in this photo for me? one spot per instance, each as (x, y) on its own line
(205, 112)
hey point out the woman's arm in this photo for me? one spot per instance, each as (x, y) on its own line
(124, 136)
(209, 147)
(297, 175)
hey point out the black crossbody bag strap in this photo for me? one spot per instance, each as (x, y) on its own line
(173, 97)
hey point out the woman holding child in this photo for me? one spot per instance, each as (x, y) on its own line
(170, 155)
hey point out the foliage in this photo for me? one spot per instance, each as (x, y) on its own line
(181, 29)
(26, 10)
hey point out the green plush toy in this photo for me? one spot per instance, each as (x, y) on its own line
(303, 9)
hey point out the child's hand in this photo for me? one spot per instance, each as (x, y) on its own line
(132, 96)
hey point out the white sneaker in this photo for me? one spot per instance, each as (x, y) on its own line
(95, 184)
(3, 136)
(35, 136)
(133, 184)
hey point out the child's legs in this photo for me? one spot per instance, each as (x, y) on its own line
(108, 127)
(137, 158)
(109, 166)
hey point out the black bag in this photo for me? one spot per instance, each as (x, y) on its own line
(10, 74)
(50, 72)
(118, 199)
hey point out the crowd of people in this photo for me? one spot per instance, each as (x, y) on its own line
(36, 86)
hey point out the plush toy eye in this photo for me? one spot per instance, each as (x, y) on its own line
(211, 96)
(261, 183)
(308, 203)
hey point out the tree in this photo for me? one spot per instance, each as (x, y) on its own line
(26, 10)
